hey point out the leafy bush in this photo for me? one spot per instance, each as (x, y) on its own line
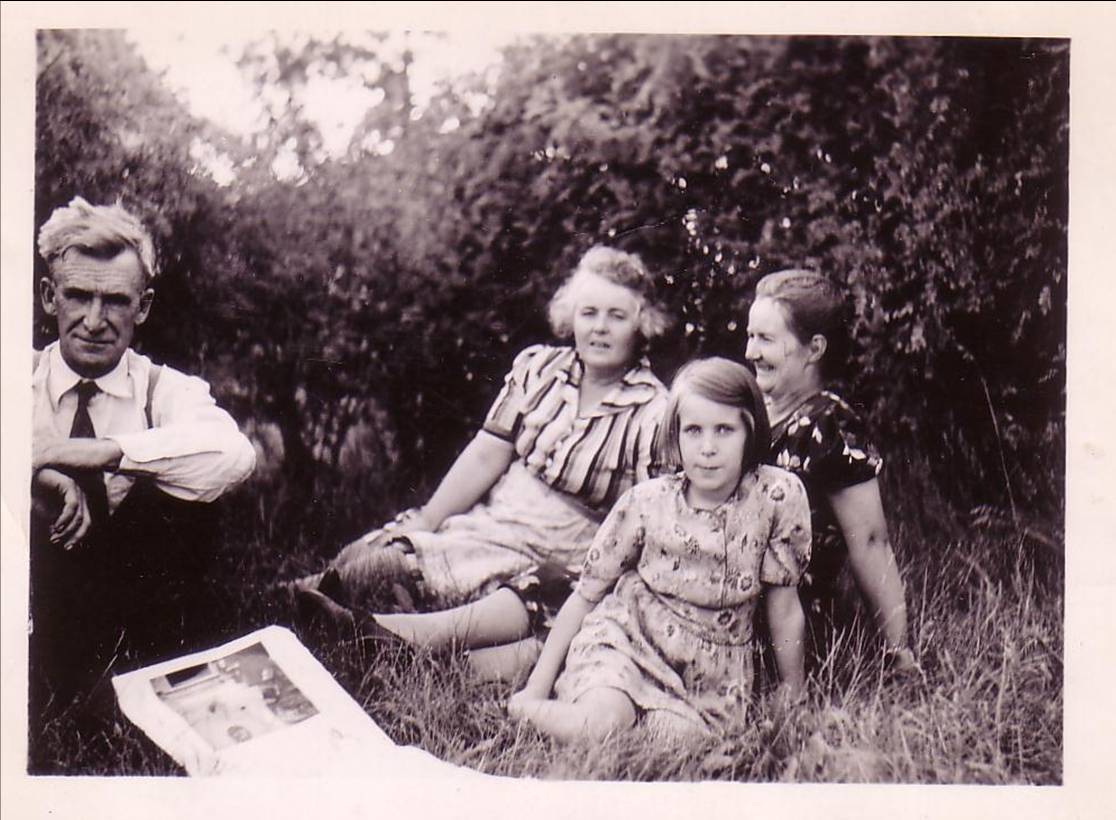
(390, 289)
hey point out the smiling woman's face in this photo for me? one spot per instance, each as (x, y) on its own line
(605, 325)
(779, 357)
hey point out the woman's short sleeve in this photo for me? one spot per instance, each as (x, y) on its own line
(829, 448)
(615, 549)
(505, 416)
(788, 546)
(647, 464)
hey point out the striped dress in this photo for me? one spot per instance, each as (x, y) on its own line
(539, 518)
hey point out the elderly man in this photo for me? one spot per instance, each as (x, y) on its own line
(126, 456)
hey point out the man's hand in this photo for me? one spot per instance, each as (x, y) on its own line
(76, 454)
(57, 490)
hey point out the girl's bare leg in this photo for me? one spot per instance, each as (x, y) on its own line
(499, 618)
(505, 663)
(596, 714)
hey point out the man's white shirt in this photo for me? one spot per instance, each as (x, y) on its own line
(193, 450)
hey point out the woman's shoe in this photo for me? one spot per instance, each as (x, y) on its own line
(311, 603)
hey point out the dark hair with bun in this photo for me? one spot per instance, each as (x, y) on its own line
(814, 305)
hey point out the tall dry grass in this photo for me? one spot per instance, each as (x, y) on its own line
(985, 600)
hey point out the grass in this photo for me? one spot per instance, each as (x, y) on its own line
(985, 603)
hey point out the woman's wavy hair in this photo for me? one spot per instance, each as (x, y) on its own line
(102, 231)
(813, 305)
(620, 268)
(724, 382)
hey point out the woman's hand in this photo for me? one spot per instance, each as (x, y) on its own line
(900, 664)
(357, 552)
(73, 520)
(408, 521)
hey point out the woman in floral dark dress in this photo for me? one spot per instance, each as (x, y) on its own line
(797, 338)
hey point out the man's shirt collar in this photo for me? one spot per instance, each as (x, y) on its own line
(62, 378)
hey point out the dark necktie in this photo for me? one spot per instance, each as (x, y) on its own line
(92, 482)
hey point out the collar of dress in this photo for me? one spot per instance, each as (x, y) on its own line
(637, 386)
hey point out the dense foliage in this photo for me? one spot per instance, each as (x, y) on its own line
(366, 305)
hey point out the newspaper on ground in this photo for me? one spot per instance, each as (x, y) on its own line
(262, 704)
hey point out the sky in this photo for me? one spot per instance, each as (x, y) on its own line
(199, 65)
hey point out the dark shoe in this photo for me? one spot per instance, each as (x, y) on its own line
(330, 585)
(404, 597)
(370, 630)
(312, 606)
(384, 646)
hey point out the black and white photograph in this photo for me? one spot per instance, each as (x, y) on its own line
(622, 401)
(235, 698)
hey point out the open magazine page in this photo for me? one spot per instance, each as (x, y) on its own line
(263, 705)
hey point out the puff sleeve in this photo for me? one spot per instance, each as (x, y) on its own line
(788, 546)
(616, 548)
(505, 416)
(829, 449)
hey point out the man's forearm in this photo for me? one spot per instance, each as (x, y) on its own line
(77, 454)
(194, 462)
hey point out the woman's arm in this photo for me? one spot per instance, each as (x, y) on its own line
(787, 624)
(566, 626)
(859, 512)
(480, 465)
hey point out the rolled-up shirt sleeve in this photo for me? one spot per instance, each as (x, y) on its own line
(194, 449)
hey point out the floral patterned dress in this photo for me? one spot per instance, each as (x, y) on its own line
(675, 632)
(824, 444)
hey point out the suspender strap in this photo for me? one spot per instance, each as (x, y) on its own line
(152, 380)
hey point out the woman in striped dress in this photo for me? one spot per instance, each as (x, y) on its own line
(496, 549)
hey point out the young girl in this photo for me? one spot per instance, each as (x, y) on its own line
(663, 611)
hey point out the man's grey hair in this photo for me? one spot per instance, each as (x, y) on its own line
(98, 230)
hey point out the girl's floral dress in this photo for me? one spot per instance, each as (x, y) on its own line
(675, 631)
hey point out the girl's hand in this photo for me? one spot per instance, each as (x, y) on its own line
(785, 701)
(523, 703)
(787, 696)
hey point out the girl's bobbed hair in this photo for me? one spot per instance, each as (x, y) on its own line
(813, 305)
(724, 382)
(620, 268)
